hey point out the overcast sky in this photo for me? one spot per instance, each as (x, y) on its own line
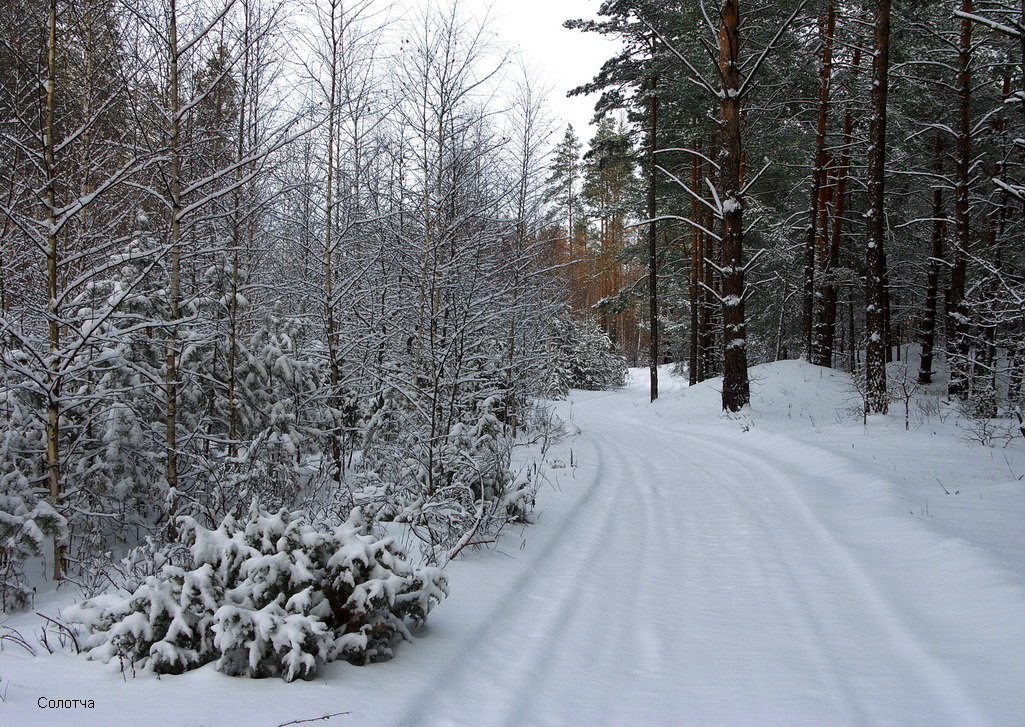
(559, 58)
(562, 58)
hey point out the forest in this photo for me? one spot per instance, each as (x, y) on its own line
(289, 290)
(833, 184)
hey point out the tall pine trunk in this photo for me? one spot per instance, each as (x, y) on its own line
(735, 388)
(932, 285)
(839, 195)
(876, 398)
(653, 234)
(820, 193)
(957, 313)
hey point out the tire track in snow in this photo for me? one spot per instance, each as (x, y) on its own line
(759, 571)
(631, 641)
(571, 546)
(616, 599)
(614, 586)
(668, 584)
(669, 523)
(814, 642)
(945, 687)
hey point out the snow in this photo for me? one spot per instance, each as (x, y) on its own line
(787, 565)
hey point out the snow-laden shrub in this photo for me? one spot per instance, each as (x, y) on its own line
(27, 520)
(471, 492)
(583, 357)
(25, 524)
(270, 595)
(112, 420)
(453, 489)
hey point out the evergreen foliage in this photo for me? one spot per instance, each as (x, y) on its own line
(27, 520)
(583, 358)
(267, 595)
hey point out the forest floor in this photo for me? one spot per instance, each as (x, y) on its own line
(786, 566)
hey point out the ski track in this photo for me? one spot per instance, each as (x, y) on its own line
(692, 569)
(541, 596)
(944, 687)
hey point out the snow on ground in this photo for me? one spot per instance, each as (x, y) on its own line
(787, 566)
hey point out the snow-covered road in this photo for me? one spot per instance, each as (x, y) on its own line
(685, 569)
(710, 576)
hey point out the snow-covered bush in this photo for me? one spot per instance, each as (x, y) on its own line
(270, 595)
(112, 414)
(26, 519)
(264, 450)
(25, 522)
(583, 357)
(471, 492)
(451, 489)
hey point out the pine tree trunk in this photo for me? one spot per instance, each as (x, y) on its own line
(957, 313)
(932, 285)
(876, 399)
(696, 270)
(653, 236)
(735, 387)
(839, 195)
(1016, 377)
(820, 191)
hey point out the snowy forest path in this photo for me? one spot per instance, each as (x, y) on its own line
(706, 576)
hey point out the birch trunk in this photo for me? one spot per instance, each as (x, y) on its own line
(54, 379)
